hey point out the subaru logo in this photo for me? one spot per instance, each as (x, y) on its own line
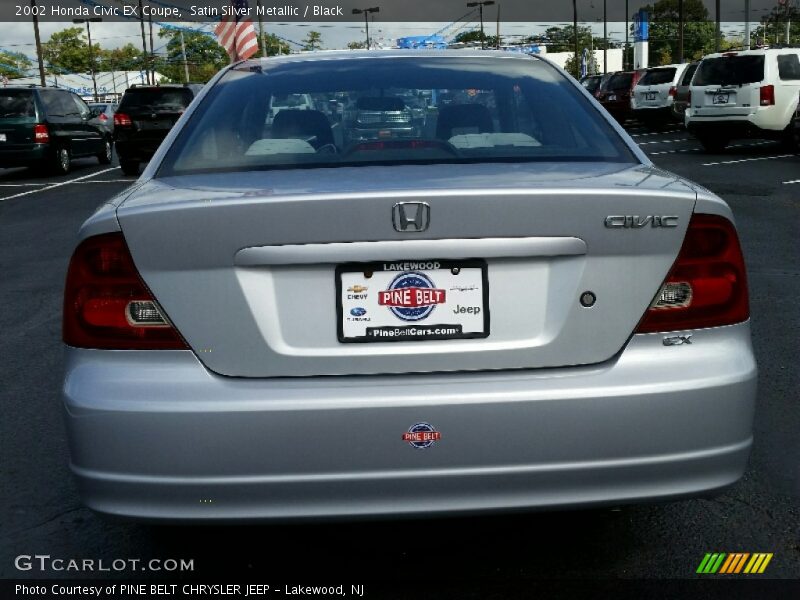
(358, 311)
(411, 216)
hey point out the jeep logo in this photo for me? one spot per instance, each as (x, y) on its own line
(637, 222)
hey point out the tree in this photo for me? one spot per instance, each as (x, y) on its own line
(68, 51)
(275, 45)
(356, 45)
(313, 41)
(126, 58)
(204, 56)
(474, 35)
(773, 26)
(573, 67)
(698, 31)
(562, 39)
(13, 64)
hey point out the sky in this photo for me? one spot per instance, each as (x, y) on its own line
(20, 38)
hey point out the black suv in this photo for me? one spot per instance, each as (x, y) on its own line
(45, 128)
(143, 119)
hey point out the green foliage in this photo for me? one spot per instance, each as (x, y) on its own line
(573, 67)
(698, 31)
(773, 26)
(13, 64)
(68, 51)
(474, 35)
(204, 56)
(562, 39)
(126, 58)
(313, 41)
(356, 45)
(275, 45)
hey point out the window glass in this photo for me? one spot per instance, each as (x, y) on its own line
(730, 70)
(658, 76)
(352, 112)
(17, 104)
(687, 76)
(789, 67)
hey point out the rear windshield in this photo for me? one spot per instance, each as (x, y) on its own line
(17, 104)
(620, 81)
(658, 76)
(475, 110)
(687, 76)
(165, 99)
(591, 84)
(730, 70)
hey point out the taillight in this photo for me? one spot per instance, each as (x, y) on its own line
(106, 303)
(673, 91)
(122, 120)
(707, 286)
(41, 134)
(103, 117)
(767, 95)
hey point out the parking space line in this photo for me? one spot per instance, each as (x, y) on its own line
(698, 148)
(792, 181)
(22, 184)
(57, 185)
(741, 160)
(665, 141)
(656, 132)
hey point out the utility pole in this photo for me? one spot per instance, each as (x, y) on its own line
(575, 27)
(38, 42)
(717, 32)
(680, 31)
(144, 42)
(366, 12)
(185, 61)
(625, 52)
(480, 6)
(152, 53)
(260, 30)
(747, 24)
(91, 52)
(605, 40)
(497, 33)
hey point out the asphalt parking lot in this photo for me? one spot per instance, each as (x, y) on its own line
(40, 511)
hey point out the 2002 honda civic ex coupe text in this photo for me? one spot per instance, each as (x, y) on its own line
(512, 309)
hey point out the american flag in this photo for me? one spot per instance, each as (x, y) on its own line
(236, 34)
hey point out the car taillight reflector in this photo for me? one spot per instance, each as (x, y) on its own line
(707, 286)
(106, 303)
(673, 91)
(767, 95)
(122, 120)
(41, 134)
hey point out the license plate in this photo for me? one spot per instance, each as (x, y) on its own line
(161, 124)
(650, 96)
(3, 137)
(721, 98)
(406, 301)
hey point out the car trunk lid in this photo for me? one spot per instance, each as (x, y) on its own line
(249, 267)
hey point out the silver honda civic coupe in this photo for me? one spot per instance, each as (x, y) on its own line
(448, 282)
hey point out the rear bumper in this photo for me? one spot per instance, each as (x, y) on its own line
(745, 126)
(653, 112)
(135, 149)
(155, 436)
(23, 156)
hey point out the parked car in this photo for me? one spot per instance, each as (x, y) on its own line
(144, 118)
(382, 117)
(591, 83)
(615, 93)
(288, 102)
(103, 115)
(680, 99)
(654, 93)
(517, 310)
(748, 94)
(45, 128)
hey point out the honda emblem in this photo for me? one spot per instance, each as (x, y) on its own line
(411, 216)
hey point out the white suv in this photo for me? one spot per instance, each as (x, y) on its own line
(654, 94)
(752, 93)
